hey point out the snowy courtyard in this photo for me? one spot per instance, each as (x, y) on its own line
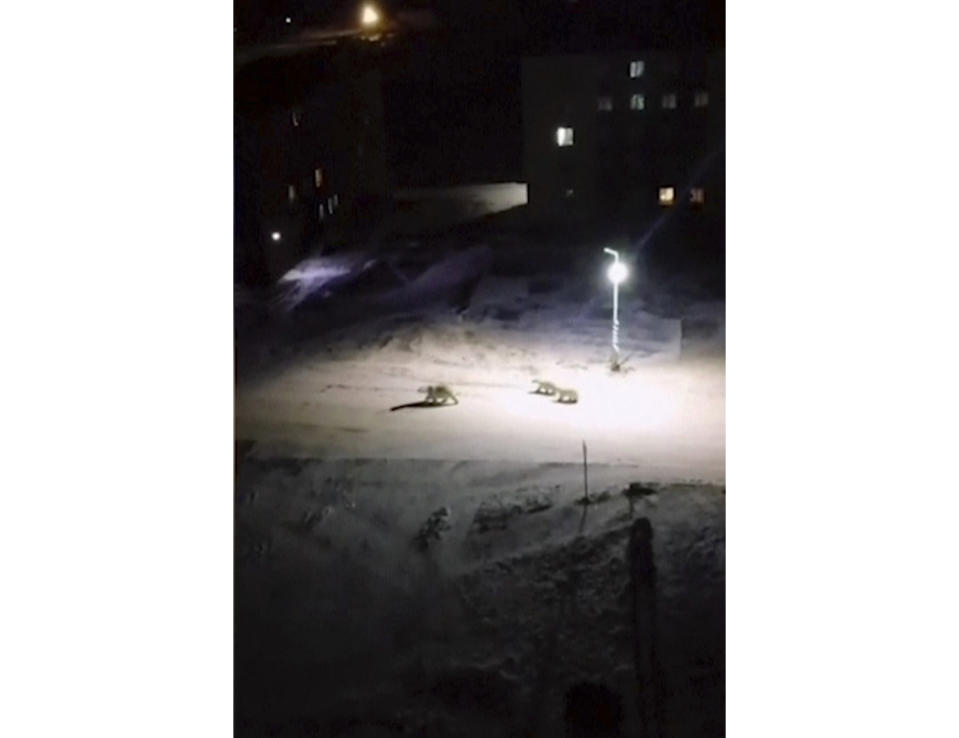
(330, 395)
(404, 569)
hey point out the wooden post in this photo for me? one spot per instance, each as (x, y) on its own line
(585, 478)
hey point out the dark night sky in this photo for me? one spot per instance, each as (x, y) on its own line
(453, 96)
(526, 24)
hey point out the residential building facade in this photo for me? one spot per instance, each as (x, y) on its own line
(310, 159)
(624, 134)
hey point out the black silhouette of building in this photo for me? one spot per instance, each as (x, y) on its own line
(309, 156)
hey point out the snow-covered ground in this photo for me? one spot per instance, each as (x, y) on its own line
(345, 626)
(351, 623)
(331, 395)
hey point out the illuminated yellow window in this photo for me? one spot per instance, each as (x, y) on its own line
(637, 102)
(318, 177)
(636, 69)
(697, 195)
(667, 195)
(604, 104)
(291, 192)
(564, 136)
(700, 99)
(295, 119)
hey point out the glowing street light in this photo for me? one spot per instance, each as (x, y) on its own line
(617, 273)
(369, 16)
(275, 235)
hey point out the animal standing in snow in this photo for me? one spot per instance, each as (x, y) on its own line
(566, 396)
(439, 394)
(544, 388)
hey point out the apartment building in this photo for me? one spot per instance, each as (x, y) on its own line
(310, 157)
(624, 134)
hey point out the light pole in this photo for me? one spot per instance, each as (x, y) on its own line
(617, 273)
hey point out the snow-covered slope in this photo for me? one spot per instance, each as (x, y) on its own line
(345, 623)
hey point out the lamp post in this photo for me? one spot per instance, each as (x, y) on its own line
(617, 273)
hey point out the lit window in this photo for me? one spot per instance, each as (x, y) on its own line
(336, 200)
(295, 118)
(564, 136)
(329, 204)
(318, 177)
(666, 195)
(697, 195)
(604, 104)
(700, 99)
(322, 212)
(291, 192)
(669, 100)
(636, 69)
(637, 102)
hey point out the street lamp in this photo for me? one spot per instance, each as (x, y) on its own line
(617, 273)
(275, 235)
(369, 16)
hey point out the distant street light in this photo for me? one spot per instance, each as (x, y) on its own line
(369, 16)
(288, 20)
(275, 235)
(617, 273)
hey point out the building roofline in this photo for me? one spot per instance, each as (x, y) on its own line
(626, 52)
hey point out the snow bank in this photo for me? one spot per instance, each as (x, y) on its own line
(345, 622)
